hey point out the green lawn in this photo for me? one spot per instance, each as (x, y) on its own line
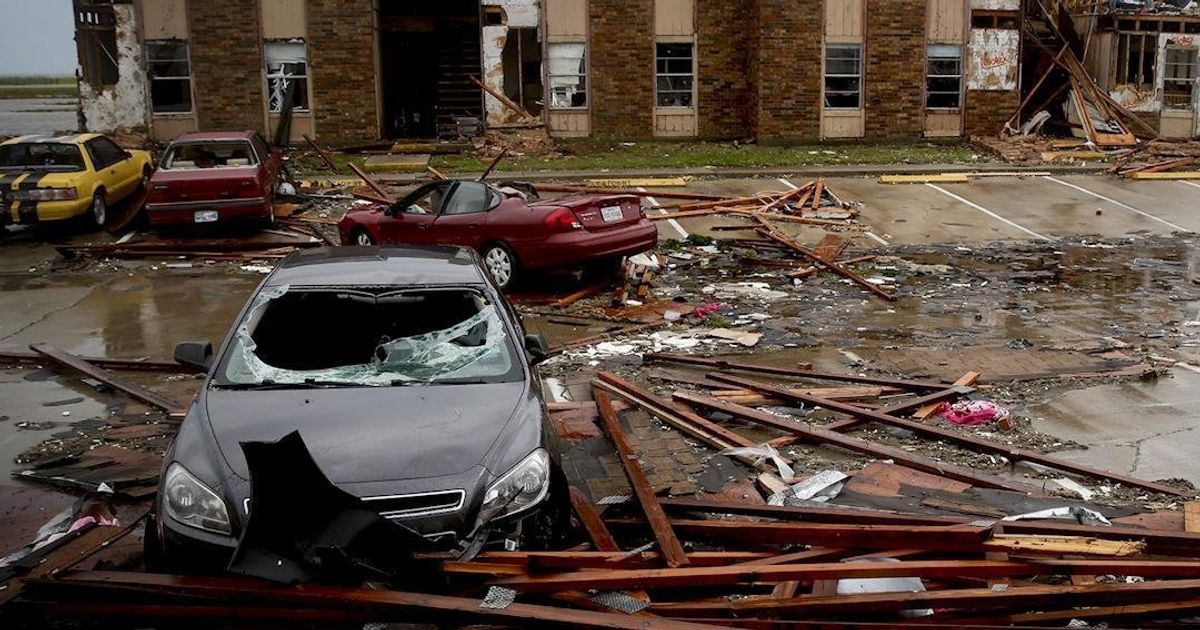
(38, 87)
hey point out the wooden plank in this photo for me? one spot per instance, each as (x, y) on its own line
(820, 436)
(830, 514)
(968, 379)
(504, 100)
(10, 353)
(960, 537)
(601, 539)
(1191, 517)
(711, 433)
(955, 391)
(1172, 175)
(668, 544)
(379, 190)
(832, 266)
(638, 182)
(581, 294)
(968, 441)
(795, 373)
(592, 190)
(131, 389)
(944, 178)
(321, 154)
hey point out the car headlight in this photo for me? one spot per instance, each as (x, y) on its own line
(522, 487)
(191, 502)
(53, 194)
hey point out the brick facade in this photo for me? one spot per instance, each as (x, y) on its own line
(725, 46)
(227, 68)
(341, 44)
(894, 69)
(788, 76)
(622, 68)
(987, 111)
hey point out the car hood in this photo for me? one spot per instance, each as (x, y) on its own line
(372, 434)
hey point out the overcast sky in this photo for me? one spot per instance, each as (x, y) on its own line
(36, 37)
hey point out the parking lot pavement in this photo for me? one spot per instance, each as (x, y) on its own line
(986, 209)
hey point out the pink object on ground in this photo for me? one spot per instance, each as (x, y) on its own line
(972, 413)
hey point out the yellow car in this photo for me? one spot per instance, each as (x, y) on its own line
(55, 179)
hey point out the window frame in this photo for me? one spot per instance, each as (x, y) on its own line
(584, 68)
(825, 76)
(929, 76)
(658, 74)
(1190, 82)
(94, 143)
(305, 105)
(151, 78)
(1124, 46)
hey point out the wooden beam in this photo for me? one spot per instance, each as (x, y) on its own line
(903, 406)
(601, 539)
(821, 436)
(830, 514)
(321, 154)
(379, 190)
(668, 544)
(9, 353)
(832, 266)
(795, 373)
(958, 537)
(968, 379)
(131, 389)
(969, 441)
(492, 166)
(709, 432)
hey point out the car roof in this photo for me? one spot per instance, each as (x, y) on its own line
(209, 136)
(379, 266)
(75, 138)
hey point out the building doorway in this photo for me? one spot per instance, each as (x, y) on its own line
(429, 50)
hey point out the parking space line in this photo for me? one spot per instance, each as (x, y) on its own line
(988, 212)
(675, 224)
(1193, 184)
(866, 228)
(1128, 207)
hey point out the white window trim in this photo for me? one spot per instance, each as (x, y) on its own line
(959, 76)
(692, 74)
(191, 81)
(307, 76)
(587, 79)
(825, 75)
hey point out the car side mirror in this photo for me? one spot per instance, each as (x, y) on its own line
(196, 354)
(537, 348)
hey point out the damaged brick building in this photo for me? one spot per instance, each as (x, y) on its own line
(357, 70)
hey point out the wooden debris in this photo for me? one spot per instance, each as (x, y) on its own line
(812, 256)
(133, 390)
(379, 190)
(321, 154)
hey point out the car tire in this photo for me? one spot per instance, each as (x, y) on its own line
(152, 551)
(500, 262)
(361, 237)
(98, 211)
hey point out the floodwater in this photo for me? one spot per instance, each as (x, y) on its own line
(23, 116)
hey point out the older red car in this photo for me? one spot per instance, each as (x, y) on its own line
(213, 178)
(509, 231)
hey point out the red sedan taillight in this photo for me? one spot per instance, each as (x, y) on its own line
(563, 220)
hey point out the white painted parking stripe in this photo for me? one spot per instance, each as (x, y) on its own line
(1128, 207)
(866, 228)
(988, 212)
(675, 224)
(1190, 183)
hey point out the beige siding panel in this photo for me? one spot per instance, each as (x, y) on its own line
(674, 17)
(943, 124)
(164, 19)
(568, 124)
(672, 124)
(843, 21)
(842, 124)
(1177, 123)
(301, 124)
(566, 19)
(947, 21)
(284, 19)
(167, 128)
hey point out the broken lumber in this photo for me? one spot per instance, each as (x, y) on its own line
(832, 266)
(668, 544)
(10, 353)
(379, 190)
(968, 379)
(321, 153)
(133, 390)
(900, 407)
(592, 190)
(794, 373)
(708, 432)
(602, 540)
(968, 441)
(581, 294)
(942, 178)
(495, 161)
(504, 100)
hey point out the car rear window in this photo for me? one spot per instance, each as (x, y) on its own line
(42, 155)
(233, 154)
(370, 337)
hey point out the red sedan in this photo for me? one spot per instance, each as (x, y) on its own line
(510, 232)
(217, 177)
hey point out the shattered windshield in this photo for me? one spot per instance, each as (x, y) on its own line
(369, 337)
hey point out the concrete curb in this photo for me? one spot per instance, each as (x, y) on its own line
(801, 172)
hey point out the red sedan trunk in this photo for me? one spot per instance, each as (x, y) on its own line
(213, 178)
(508, 231)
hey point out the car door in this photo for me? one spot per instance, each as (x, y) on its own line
(410, 220)
(270, 164)
(463, 219)
(114, 166)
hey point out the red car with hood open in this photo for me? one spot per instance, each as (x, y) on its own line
(510, 231)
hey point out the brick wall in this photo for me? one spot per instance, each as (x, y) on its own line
(226, 55)
(724, 50)
(341, 55)
(894, 69)
(788, 69)
(988, 110)
(622, 66)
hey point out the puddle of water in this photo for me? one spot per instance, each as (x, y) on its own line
(26, 394)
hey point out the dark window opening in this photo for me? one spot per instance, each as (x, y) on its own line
(675, 73)
(843, 76)
(170, 77)
(96, 37)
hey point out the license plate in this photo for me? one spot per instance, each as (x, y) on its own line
(612, 213)
(206, 216)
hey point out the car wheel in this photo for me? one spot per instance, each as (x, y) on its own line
(99, 209)
(361, 238)
(501, 263)
(152, 550)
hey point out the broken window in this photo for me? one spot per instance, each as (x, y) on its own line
(287, 73)
(568, 75)
(843, 76)
(943, 77)
(170, 77)
(1137, 56)
(398, 337)
(231, 154)
(674, 74)
(1179, 77)
(96, 35)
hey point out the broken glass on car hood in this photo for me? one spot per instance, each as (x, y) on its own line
(469, 348)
